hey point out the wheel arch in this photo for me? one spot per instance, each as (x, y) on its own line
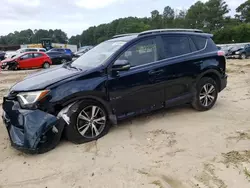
(214, 74)
(105, 104)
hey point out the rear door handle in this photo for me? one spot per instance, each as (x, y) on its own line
(153, 72)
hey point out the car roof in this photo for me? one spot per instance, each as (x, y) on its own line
(33, 52)
(128, 37)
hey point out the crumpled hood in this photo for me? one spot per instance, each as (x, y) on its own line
(42, 79)
(8, 60)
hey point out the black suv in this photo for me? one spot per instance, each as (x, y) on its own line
(119, 78)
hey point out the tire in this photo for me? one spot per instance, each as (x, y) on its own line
(77, 124)
(46, 65)
(243, 56)
(64, 61)
(203, 100)
(52, 139)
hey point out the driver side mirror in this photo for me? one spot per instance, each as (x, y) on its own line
(121, 65)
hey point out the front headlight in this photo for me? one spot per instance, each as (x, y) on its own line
(29, 98)
(237, 53)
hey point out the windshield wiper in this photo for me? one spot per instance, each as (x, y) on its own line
(69, 66)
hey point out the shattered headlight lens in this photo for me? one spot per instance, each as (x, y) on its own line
(29, 98)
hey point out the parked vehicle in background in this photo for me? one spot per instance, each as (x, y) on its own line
(119, 78)
(58, 57)
(82, 51)
(242, 52)
(239, 52)
(27, 60)
(62, 50)
(2, 55)
(22, 50)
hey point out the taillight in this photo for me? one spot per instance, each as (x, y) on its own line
(221, 53)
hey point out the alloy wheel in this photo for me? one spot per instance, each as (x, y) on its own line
(207, 94)
(63, 61)
(91, 121)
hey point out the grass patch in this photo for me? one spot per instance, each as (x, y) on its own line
(157, 183)
(247, 173)
(236, 157)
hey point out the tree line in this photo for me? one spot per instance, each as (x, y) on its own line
(30, 37)
(211, 16)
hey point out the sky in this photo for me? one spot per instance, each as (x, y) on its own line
(74, 16)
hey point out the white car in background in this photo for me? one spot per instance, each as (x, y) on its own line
(11, 54)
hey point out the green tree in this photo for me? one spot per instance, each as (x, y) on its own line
(244, 12)
(215, 14)
(196, 15)
(156, 20)
(168, 17)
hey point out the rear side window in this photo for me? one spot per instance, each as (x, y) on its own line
(199, 42)
(37, 55)
(42, 50)
(176, 46)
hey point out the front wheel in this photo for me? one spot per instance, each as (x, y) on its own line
(206, 95)
(88, 123)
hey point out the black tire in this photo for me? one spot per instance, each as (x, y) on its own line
(51, 139)
(198, 102)
(71, 131)
(46, 65)
(64, 61)
(243, 56)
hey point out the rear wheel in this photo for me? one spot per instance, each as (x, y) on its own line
(64, 61)
(88, 123)
(206, 95)
(46, 65)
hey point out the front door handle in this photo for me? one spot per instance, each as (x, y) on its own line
(153, 72)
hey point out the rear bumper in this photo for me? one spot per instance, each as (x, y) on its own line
(31, 131)
(223, 82)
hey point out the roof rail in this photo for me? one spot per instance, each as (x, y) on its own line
(124, 35)
(169, 30)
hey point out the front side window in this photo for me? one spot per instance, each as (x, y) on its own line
(141, 53)
(42, 50)
(176, 45)
(26, 56)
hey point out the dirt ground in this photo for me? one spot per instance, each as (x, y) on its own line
(178, 148)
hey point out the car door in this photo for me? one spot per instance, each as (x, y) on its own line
(181, 65)
(25, 61)
(137, 90)
(38, 59)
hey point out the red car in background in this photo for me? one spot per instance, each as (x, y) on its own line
(27, 60)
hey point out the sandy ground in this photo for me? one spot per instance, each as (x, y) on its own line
(178, 148)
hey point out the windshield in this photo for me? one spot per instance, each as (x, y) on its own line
(99, 54)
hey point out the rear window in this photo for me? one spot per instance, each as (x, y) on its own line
(200, 42)
(176, 46)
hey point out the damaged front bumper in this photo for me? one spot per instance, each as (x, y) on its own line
(32, 131)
